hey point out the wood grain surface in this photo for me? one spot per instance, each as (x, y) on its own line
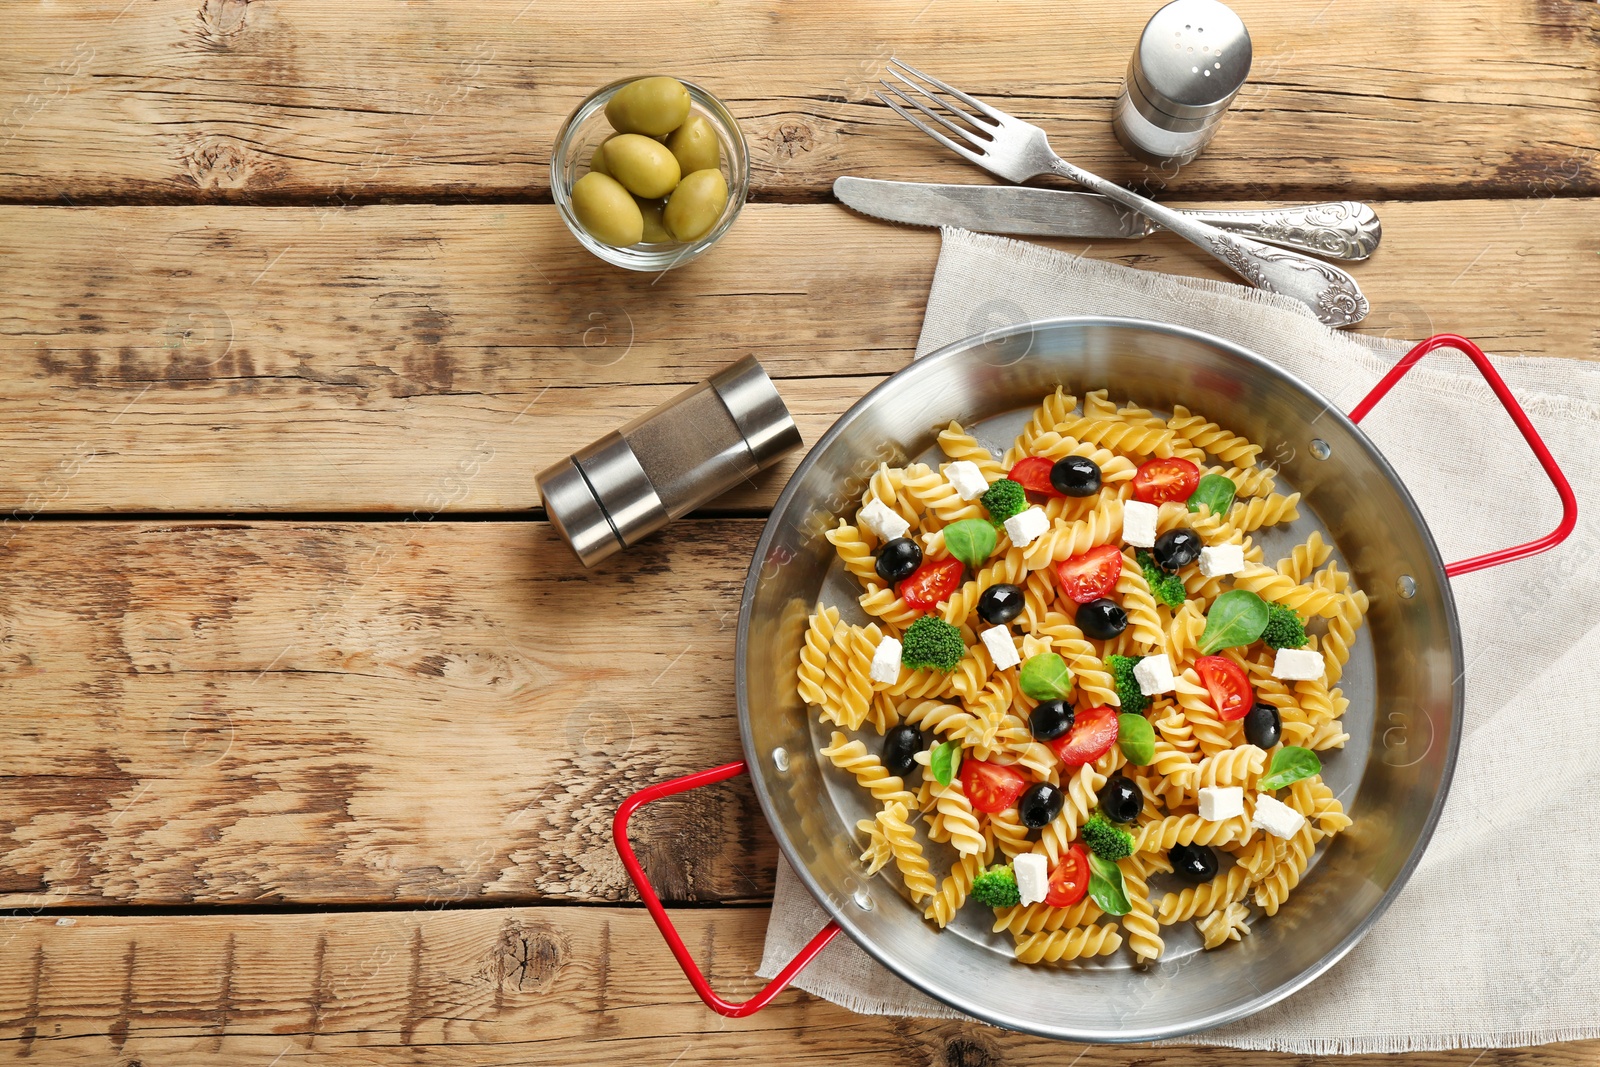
(491, 987)
(361, 712)
(433, 359)
(191, 100)
(283, 787)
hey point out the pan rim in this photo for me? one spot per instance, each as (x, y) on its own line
(840, 915)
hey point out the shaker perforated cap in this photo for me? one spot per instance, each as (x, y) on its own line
(668, 461)
(1191, 61)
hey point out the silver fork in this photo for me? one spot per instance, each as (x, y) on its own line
(1018, 150)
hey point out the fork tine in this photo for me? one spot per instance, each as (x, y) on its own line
(961, 150)
(940, 101)
(971, 101)
(959, 131)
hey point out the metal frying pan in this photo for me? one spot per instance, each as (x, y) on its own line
(1407, 666)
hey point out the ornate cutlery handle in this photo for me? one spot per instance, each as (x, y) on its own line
(1331, 293)
(1343, 229)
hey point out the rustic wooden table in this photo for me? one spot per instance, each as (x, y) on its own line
(312, 729)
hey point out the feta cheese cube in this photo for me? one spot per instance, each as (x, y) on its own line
(1033, 877)
(886, 662)
(1221, 802)
(1154, 675)
(885, 523)
(1297, 664)
(1002, 647)
(1218, 560)
(1276, 817)
(1027, 527)
(1139, 523)
(967, 479)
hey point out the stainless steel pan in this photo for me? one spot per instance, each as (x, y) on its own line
(1406, 669)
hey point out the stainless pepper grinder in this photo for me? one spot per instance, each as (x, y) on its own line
(668, 461)
(1190, 63)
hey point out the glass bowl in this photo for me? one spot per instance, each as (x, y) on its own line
(586, 129)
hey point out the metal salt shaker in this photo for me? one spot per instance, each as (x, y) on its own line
(668, 461)
(1191, 61)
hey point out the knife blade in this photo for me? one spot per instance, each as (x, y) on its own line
(1013, 209)
(1345, 229)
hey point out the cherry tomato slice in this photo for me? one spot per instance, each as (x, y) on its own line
(932, 583)
(1094, 731)
(989, 786)
(1091, 575)
(1230, 688)
(1070, 880)
(1160, 480)
(1033, 474)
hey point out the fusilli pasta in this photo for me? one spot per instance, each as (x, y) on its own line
(1077, 943)
(1223, 925)
(989, 713)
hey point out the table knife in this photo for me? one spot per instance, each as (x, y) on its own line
(1338, 230)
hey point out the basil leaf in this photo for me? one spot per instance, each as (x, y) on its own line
(1045, 677)
(1237, 617)
(1137, 738)
(943, 761)
(971, 541)
(1215, 491)
(1289, 765)
(1105, 886)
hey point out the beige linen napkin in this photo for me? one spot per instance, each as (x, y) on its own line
(1491, 941)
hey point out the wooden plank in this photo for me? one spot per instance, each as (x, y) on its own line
(417, 712)
(496, 986)
(179, 101)
(435, 358)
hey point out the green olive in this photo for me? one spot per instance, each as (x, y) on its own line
(597, 162)
(696, 204)
(651, 106)
(606, 210)
(695, 145)
(655, 232)
(643, 165)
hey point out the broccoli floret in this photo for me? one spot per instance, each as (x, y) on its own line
(1167, 588)
(1004, 499)
(1128, 692)
(932, 642)
(1285, 628)
(1105, 838)
(996, 888)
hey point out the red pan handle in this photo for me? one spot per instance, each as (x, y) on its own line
(619, 831)
(1569, 502)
